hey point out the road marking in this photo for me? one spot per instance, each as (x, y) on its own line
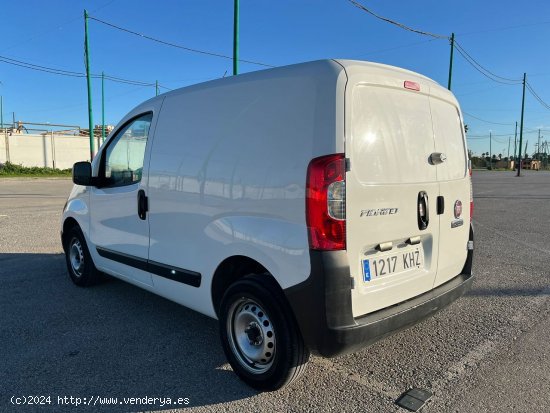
(1, 215)
(467, 364)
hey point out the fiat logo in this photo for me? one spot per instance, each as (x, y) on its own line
(458, 209)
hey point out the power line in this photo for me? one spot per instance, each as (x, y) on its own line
(189, 49)
(127, 81)
(69, 73)
(542, 102)
(401, 25)
(486, 121)
(536, 130)
(32, 66)
(499, 135)
(486, 72)
(487, 136)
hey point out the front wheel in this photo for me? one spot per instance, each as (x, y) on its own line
(80, 266)
(259, 335)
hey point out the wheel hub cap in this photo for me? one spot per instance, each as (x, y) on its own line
(76, 256)
(254, 334)
(251, 335)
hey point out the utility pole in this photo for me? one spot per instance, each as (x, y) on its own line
(89, 82)
(236, 38)
(509, 138)
(521, 124)
(451, 61)
(538, 148)
(2, 112)
(515, 142)
(491, 150)
(102, 107)
(156, 88)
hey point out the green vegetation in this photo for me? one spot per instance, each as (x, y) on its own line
(11, 170)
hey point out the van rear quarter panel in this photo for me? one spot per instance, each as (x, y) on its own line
(228, 172)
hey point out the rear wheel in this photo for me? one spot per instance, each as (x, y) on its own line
(79, 262)
(259, 335)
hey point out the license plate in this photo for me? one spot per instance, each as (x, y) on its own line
(392, 263)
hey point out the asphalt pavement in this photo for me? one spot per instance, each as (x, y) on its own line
(488, 352)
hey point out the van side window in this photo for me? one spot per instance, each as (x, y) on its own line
(123, 162)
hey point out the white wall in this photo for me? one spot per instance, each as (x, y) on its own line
(59, 151)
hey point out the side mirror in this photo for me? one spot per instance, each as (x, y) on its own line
(82, 173)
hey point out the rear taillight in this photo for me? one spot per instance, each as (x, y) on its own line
(471, 193)
(326, 202)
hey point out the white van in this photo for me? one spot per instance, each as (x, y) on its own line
(314, 207)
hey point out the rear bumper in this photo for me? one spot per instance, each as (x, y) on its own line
(322, 306)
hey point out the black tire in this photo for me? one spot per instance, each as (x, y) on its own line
(80, 266)
(259, 334)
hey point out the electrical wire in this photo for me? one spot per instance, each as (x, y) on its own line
(400, 25)
(542, 102)
(486, 72)
(189, 49)
(501, 141)
(487, 121)
(33, 66)
(487, 136)
(121, 80)
(69, 73)
(525, 132)
(536, 130)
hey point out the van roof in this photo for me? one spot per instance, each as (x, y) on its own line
(316, 68)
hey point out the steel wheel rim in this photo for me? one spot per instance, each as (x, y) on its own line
(251, 335)
(76, 257)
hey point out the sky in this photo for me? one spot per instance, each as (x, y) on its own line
(506, 37)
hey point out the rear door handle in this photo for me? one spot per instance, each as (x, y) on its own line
(437, 157)
(440, 205)
(423, 211)
(143, 204)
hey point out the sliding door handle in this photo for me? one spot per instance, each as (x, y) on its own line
(143, 204)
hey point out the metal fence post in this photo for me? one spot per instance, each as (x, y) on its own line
(7, 138)
(53, 149)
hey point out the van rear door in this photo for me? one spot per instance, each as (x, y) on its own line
(391, 190)
(454, 185)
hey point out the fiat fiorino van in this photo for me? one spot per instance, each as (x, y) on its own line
(314, 207)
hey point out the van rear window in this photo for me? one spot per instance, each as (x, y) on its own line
(391, 136)
(449, 139)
